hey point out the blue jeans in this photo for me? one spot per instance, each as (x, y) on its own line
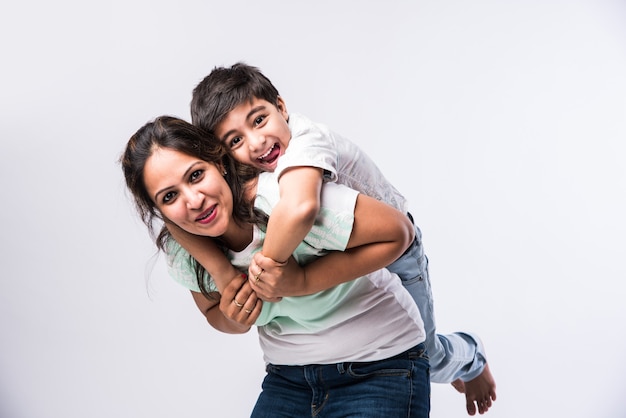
(452, 356)
(395, 387)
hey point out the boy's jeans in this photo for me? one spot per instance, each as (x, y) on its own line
(452, 356)
(395, 387)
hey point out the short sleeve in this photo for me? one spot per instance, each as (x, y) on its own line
(181, 268)
(333, 227)
(311, 145)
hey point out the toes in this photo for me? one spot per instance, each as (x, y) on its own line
(471, 408)
(483, 406)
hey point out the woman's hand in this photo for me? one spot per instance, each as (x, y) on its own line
(272, 280)
(239, 302)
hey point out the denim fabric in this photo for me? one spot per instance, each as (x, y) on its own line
(394, 387)
(452, 356)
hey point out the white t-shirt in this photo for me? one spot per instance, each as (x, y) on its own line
(314, 145)
(367, 319)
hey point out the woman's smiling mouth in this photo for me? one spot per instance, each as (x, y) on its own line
(207, 216)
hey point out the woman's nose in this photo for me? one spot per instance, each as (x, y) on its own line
(194, 200)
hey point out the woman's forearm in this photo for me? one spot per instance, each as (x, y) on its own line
(206, 252)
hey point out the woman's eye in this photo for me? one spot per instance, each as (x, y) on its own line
(168, 197)
(195, 175)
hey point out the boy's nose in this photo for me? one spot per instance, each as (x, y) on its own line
(256, 142)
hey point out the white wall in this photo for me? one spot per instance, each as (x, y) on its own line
(503, 123)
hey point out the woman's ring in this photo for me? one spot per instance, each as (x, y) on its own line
(257, 276)
(248, 311)
(237, 304)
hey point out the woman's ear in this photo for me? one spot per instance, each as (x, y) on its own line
(222, 169)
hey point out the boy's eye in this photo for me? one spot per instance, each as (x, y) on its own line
(258, 120)
(235, 141)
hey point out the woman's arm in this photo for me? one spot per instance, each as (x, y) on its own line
(206, 252)
(379, 236)
(226, 316)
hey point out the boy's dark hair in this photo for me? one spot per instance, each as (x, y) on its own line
(226, 88)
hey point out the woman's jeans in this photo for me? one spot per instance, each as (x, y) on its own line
(395, 387)
(452, 356)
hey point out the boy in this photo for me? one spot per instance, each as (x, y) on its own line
(244, 110)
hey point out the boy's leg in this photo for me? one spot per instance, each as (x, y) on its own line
(452, 356)
(458, 357)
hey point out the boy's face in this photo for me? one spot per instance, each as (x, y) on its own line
(256, 132)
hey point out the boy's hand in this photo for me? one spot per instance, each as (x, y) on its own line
(272, 280)
(239, 303)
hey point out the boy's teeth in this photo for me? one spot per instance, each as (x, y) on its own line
(267, 153)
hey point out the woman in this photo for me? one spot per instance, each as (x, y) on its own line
(331, 353)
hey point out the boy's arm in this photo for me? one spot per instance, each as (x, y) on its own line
(206, 252)
(294, 214)
(379, 236)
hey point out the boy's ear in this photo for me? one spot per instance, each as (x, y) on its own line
(282, 107)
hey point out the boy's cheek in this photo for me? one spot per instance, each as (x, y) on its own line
(265, 167)
(244, 158)
(254, 163)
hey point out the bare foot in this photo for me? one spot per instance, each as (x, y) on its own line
(480, 392)
(459, 385)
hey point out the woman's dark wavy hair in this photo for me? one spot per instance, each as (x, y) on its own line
(176, 134)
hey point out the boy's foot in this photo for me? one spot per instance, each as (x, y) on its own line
(480, 392)
(459, 385)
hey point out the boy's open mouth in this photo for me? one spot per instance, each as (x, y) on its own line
(271, 155)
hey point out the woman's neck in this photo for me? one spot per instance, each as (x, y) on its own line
(238, 237)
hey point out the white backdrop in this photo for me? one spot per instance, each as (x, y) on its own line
(502, 122)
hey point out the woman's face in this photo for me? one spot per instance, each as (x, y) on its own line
(189, 192)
